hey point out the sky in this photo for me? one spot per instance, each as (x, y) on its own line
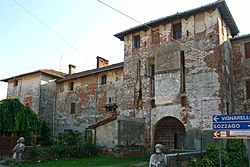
(51, 34)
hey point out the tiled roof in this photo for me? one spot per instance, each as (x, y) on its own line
(240, 37)
(220, 4)
(51, 72)
(90, 72)
(103, 122)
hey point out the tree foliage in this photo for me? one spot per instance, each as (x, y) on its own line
(15, 117)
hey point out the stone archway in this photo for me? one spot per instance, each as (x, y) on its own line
(170, 132)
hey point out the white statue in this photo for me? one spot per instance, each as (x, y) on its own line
(158, 159)
(18, 149)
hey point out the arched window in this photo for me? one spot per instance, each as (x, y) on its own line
(104, 80)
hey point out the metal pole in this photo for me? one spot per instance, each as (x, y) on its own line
(220, 154)
(248, 151)
(242, 152)
(201, 126)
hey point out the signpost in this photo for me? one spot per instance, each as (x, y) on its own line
(231, 126)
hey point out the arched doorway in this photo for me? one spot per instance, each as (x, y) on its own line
(170, 132)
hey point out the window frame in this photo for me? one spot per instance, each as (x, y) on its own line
(72, 108)
(104, 79)
(15, 83)
(248, 89)
(136, 41)
(247, 50)
(155, 35)
(71, 86)
(177, 28)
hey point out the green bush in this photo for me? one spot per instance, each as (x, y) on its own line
(36, 151)
(58, 150)
(72, 144)
(70, 138)
(211, 157)
(234, 149)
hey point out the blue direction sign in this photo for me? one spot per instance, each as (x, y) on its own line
(231, 122)
(231, 126)
(231, 118)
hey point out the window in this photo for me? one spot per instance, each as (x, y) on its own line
(15, 83)
(177, 34)
(104, 80)
(248, 89)
(136, 40)
(71, 86)
(73, 108)
(155, 36)
(247, 50)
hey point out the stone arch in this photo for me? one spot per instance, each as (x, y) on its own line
(170, 132)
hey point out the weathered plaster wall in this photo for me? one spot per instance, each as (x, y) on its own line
(107, 135)
(130, 131)
(241, 73)
(47, 98)
(201, 37)
(84, 97)
(27, 90)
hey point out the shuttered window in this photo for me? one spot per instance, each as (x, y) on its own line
(247, 50)
(73, 108)
(248, 89)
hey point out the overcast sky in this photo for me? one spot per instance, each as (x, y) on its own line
(40, 34)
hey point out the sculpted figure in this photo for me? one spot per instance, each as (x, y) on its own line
(18, 149)
(158, 159)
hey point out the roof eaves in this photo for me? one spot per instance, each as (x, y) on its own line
(218, 4)
(45, 71)
(91, 72)
(240, 37)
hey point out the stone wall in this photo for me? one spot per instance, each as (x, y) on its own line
(202, 35)
(47, 99)
(88, 109)
(241, 73)
(27, 90)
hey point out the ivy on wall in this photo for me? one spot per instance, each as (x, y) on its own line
(15, 117)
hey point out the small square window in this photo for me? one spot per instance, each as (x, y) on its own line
(136, 41)
(247, 50)
(15, 83)
(71, 86)
(177, 33)
(104, 80)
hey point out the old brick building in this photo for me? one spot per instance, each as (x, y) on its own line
(183, 74)
(178, 72)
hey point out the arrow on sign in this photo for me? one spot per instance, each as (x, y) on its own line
(216, 133)
(215, 119)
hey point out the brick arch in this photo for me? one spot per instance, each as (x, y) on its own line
(170, 132)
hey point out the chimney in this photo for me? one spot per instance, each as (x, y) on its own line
(72, 69)
(101, 62)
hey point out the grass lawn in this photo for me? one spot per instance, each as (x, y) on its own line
(89, 161)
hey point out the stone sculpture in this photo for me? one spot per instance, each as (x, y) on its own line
(18, 149)
(158, 159)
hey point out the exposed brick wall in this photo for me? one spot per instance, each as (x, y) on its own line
(84, 97)
(205, 74)
(241, 74)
